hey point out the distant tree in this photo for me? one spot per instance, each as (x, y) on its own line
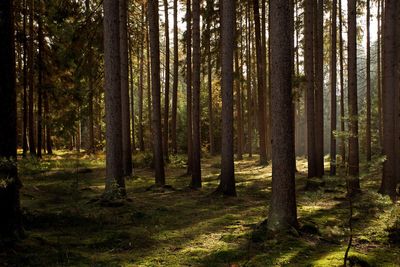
(228, 22)
(31, 62)
(282, 211)
(368, 93)
(25, 83)
(353, 182)
(153, 16)
(166, 84)
(333, 88)
(175, 82)
(341, 75)
(189, 132)
(112, 71)
(10, 224)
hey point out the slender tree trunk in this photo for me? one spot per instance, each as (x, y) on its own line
(156, 94)
(32, 146)
(90, 88)
(390, 93)
(167, 73)
(189, 86)
(353, 182)
(228, 21)
(379, 74)
(341, 74)
(40, 82)
(238, 107)
(132, 99)
(149, 110)
(333, 88)
(319, 87)
(196, 164)
(309, 71)
(49, 142)
(248, 78)
(283, 213)
(267, 85)
(126, 129)
(25, 84)
(175, 82)
(11, 223)
(261, 85)
(112, 70)
(210, 10)
(368, 128)
(141, 74)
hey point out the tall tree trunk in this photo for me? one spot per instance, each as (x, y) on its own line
(25, 84)
(40, 82)
(90, 87)
(141, 74)
(333, 88)
(249, 81)
(353, 181)
(175, 82)
(210, 10)
(112, 70)
(341, 74)
(379, 73)
(132, 98)
(267, 85)
(319, 87)
(196, 164)
(261, 85)
(149, 109)
(166, 99)
(309, 71)
(228, 22)
(31, 121)
(126, 129)
(390, 101)
(282, 213)
(368, 128)
(11, 223)
(189, 86)
(156, 94)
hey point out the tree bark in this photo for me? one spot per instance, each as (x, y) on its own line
(40, 82)
(249, 81)
(228, 22)
(261, 85)
(196, 164)
(368, 96)
(333, 88)
(189, 86)
(11, 223)
(156, 94)
(353, 181)
(282, 213)
(341, 74)
(31, 121)
(175, 82)
(166, 89)
(25, 84)
(112, 70)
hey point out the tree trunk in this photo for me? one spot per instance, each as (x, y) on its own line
(228, 22)
(40, 82)
(166, 99)
(32, 146)
(196, 164)
(379, 73)
(11, 223)
(112, 69)
(238, 75)
(282, 213)
(249, 81)
(319, 87)
(333, 88)
(149, 110)
(261, 85)
(353, 181)
(390, 100)
(309, 71)
(175, 82)
(341, 74)
(368, 128)
(189, 86)
(210, 9)
(25, 84)
(156, 94)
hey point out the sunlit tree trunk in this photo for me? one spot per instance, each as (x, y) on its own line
(189, 132)
(333, 88)
(175, 82)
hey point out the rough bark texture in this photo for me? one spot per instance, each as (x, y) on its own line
(390, 98)
(261, 85)
(175, 82)
(353, 181)
(126, 129)
(282, 213)
(114, 166)
(228, 22)
(10, 223)
(309, 71)
(166, 85)
(333, 88)
(196, 165)
(156, 94)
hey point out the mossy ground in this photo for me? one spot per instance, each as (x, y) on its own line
(67, 225)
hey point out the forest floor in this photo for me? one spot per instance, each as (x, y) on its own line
(68, 225)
